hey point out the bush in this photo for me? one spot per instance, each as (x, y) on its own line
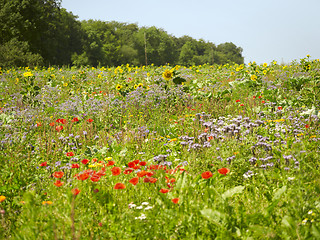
(17, 53)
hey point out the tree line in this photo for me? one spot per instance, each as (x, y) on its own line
(41, 32)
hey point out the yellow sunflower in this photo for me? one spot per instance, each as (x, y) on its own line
(254, 77)
(167, 74)
(118, 87)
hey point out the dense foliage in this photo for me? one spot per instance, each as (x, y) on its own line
(34, 32)
(168, 152)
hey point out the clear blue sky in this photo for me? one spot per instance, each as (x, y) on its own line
(281, 30)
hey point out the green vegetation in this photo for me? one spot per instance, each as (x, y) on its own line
(34, 33)
(168, 152)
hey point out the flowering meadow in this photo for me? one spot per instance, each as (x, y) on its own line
(169, 152)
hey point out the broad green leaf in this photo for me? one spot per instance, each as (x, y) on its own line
(212, 215)
(279, 192)
(232, 191)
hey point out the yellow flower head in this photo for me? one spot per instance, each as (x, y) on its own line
(28, 74)
(167, 75)
(118, 87)
(254, 77)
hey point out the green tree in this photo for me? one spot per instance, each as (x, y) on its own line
(160, 46)
(231, 52)
(187, 54)
(17, 53)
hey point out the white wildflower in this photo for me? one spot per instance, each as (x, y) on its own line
(141, 217)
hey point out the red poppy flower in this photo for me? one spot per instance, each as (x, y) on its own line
(39, 124)
(115, 171)
(95, 178)
(254, 97)
(146, 179)
(90, 120)
(163, 190)
(61, 120)
(223, 171)
(238, 100)
(280, 108)
(263, 101)
(175, 200)
(260, 96)
(134, 180)
(241, 104)
(58, 174)
(94, 159)
(153, 180)
(75, 191)
(101, 173)
(110, 163)
(44, 164)
(206, 175)
(142, 173)
(131, 164)
(70, 154)
(83, 176)
(75, 120)
(59, 128)
(171, 180)
(142, 163)
(58, 183)
(136, 167)
(75, 165)
(307, 126)
(128, 170)
(149, 174)
(85, 161)
(119, 186)
(136, 161)
(51, 124)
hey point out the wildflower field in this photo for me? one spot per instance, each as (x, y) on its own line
(170, 152)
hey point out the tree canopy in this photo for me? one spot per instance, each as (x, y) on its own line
(40, 32)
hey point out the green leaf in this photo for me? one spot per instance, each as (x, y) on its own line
(278, 193)
(212, 215)
(36, 88)
(286, 221)
(179, 80)
(232, 191)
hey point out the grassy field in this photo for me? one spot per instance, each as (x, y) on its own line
(170, 152)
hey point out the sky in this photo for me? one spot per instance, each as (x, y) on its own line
(269, 30)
